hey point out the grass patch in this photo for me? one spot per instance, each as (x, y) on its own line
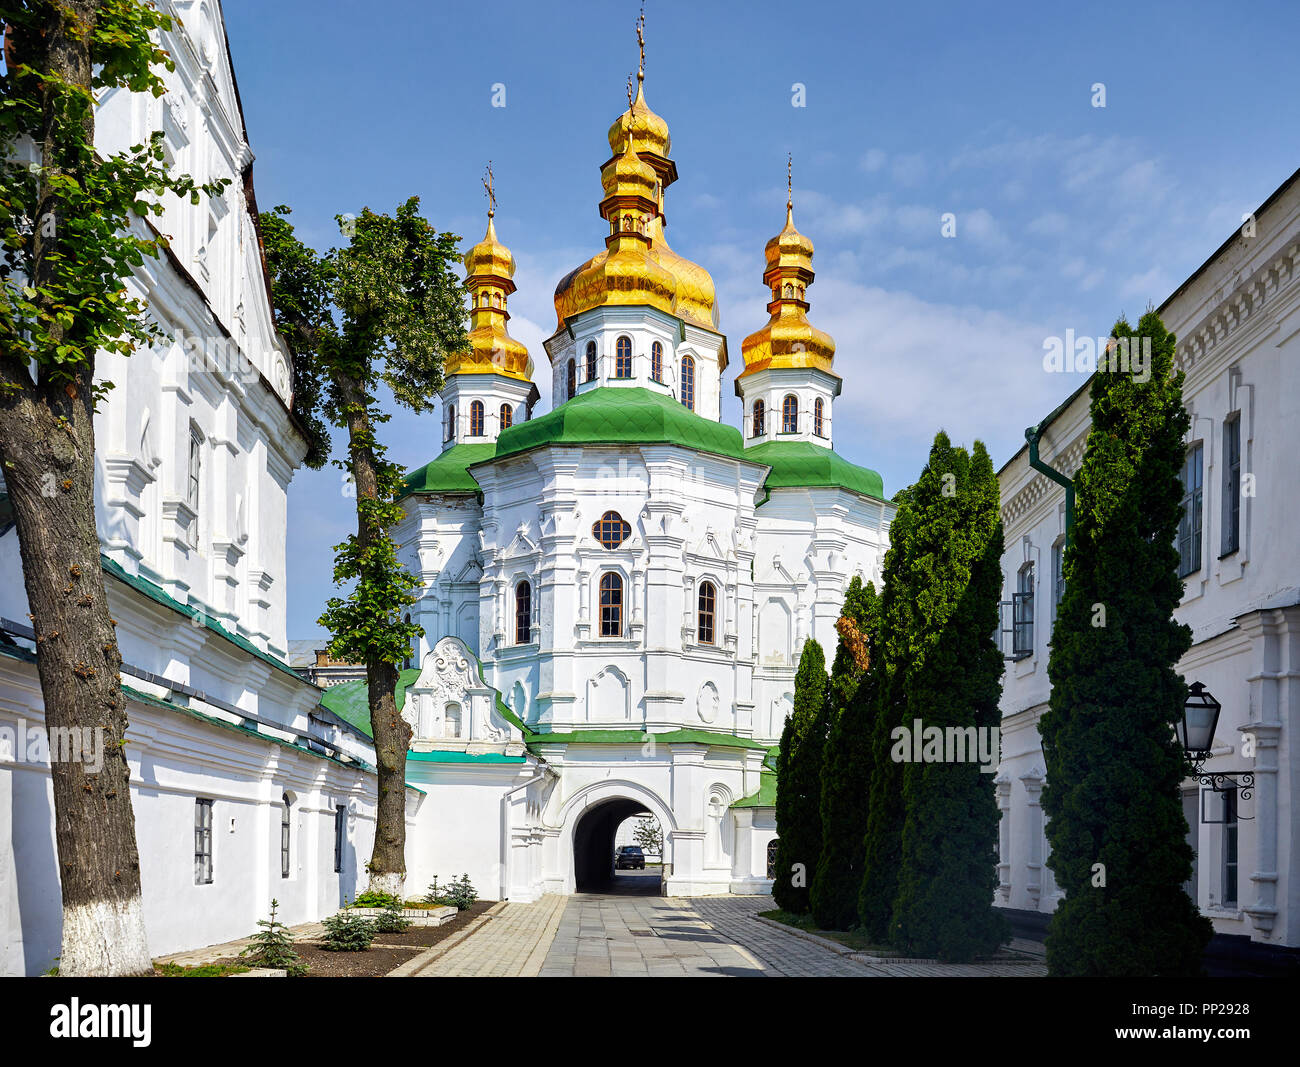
(203, 970)
(853, 939)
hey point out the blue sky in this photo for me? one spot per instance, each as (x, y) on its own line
(1066, 213)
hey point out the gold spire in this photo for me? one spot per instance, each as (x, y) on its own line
(489, 274)
(788, 339)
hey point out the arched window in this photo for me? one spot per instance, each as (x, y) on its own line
(611, 530)
(591, 362)
(571, 376)
(476, 419)
(657, 361)
(451, 422)
(451, 721)
(688, 382)
(818, 409)
(484, 300)
(611, 605)
(623, 358)
(523, 613)
(760, 419)
(507, 417)
(285, 826)
(496, 300)
(708, 601)
(771, 858)
(790, 414)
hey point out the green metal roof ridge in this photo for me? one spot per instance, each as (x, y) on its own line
(802, 464)
(455, 756)
(637, 737)
(158, 595)
(766, 795)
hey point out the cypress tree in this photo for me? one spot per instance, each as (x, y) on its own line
(948, 872)
(881, 842)
(798, 775)
(1114, 767)
(846, 775)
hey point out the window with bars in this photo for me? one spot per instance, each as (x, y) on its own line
(1022, 614)
(194, 485)
(657, 361)
(771, 857)
(591, 362)
(523, 613)
(790, 414)
(476, 419)
(708, 601)
(340, 836)
(688, 383)
(611, 529)
(202, 842)
(1229, 848)
(507, 416)
(759, 419)
(1189, 524)
(286, 816)
(611, 605)
(1231, 539)
(819, 409)
(623, 357)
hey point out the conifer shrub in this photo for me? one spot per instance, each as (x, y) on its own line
(272, 947)
(347, 932)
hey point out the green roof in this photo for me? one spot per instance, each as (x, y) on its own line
(350, 701)
(802, 464)
(448, 473)
(766, 795)
(616, 416)
(637, 737)
(156, 594)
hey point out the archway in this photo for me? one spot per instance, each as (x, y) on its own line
(593, 850)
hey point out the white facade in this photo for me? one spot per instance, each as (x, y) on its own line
(195, 449)
(1237, 321)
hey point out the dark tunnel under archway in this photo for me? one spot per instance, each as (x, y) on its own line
(593, 843)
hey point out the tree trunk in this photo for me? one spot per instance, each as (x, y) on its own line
(392, 734)
(47, 447)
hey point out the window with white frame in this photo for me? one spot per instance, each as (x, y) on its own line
(194, 485)
(202, 842)
(1022, 613)
(1189, 523)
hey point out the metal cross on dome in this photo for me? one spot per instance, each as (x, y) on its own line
(491, 192)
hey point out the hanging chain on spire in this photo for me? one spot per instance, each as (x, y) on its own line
(640, 41)
(789, 182)
(491, 192)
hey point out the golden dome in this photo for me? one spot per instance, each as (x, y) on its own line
(696, 296)
(646, 131)
(788, 340)
(489, 273)
(627, 175)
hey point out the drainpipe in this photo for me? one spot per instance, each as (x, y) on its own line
(1032, 435)
(544, 772)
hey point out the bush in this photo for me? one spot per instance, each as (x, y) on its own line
(345, 932)
(459, 893)
(272, 947)
(391, 920)
(370, 899)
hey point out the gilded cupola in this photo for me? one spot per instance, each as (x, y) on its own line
(489, 274)
(788, 339)
(646, 271)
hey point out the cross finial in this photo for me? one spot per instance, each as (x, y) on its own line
(640, 41)
(491, 192)
(789, 182)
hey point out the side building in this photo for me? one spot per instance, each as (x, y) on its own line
(1237, 323)
(243, 788)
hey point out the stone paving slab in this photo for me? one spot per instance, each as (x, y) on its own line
(510, 941)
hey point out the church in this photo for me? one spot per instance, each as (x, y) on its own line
(614, 595)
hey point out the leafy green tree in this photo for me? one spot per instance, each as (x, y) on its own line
(1114, 767)
(798, 789)
(846, 775)
(650, 836)
(73, 230)
(383, 311)
(948, 862)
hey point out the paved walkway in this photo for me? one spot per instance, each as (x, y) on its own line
(510, 941)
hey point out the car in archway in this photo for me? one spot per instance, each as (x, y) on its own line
(629, 857)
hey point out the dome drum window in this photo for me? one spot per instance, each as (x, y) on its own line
(623, 357)
(507, 417)
(790, 414)
(759, 419)
(819, 409)
(476, 419)
(590, 365)
(657, 361)
(688, 383)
